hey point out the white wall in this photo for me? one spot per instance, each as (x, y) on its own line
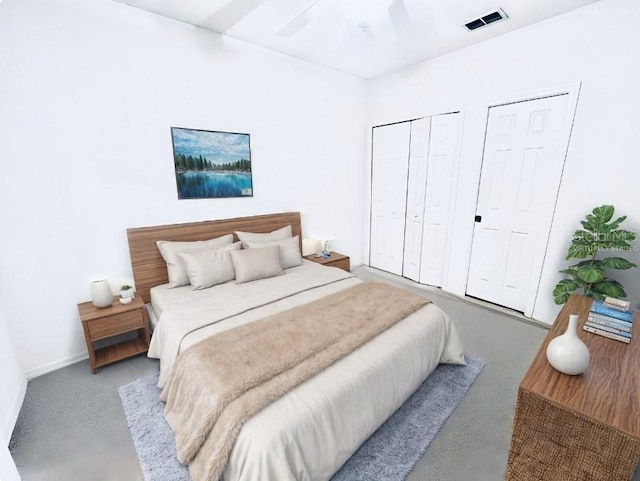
(8, 470)
(14, 386)
(88, 93)
(13, 382)
(597, 45)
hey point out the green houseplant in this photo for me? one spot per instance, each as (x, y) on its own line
(599, 234)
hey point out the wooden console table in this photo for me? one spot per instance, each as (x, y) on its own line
(577, 428)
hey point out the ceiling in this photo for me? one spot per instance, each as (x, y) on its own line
(365, 38)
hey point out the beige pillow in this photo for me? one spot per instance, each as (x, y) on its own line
(289, 250)
(208, 267)
(254, 264)
(279, 234)
(170, 250)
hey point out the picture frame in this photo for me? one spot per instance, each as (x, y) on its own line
(211, 164)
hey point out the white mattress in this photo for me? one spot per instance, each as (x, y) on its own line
(312, 430)
(153, 319)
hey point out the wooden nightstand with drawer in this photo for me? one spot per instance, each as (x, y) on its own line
(334, 260)
(108, 322)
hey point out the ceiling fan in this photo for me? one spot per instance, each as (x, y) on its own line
(385, 20)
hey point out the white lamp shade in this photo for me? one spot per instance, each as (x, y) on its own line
(310, 246)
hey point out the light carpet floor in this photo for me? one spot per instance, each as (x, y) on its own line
(72, 426)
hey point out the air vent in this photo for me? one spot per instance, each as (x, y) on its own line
(486, 19)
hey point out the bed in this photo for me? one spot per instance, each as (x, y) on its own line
(310, 431)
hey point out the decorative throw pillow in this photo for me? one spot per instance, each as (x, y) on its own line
(208, 267)
(289, 250)
(170, 250)
(279, 234)
(254, 264)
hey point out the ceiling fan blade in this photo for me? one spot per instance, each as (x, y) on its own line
(229, 15)
(425, 14)
(299, 22)
(383, 29)
(399, 16)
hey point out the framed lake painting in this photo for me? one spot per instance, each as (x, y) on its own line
(211, 164)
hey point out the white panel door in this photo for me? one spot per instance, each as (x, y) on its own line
(522, 165)
(443, 154)
(389, 164)
(418, 150)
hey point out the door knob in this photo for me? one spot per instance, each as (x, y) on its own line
(478, 219)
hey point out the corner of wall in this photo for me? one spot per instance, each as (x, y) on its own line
(12, 417)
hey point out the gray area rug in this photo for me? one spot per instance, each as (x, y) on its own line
(388, 455)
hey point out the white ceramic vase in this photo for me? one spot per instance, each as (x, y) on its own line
(101, 295)
(567, 353)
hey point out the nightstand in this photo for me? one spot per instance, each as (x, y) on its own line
(334, 260)
(108, 322)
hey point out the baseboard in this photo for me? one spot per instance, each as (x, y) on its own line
(10, 423)
(55, 365)
(467, 299)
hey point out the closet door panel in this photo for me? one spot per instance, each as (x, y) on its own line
(443, 153)
(390, 160)
(418, 151)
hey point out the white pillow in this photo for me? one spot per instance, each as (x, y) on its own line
(170, 250)
(279, 234)
(208, 267)
(289, 250)
(254, 264)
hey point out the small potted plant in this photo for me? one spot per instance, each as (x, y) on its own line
(126, 293)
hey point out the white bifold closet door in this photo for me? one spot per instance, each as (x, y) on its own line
(390, 160)
(413, 170)
(417, 181)
(440, 188)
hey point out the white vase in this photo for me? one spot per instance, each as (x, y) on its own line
(567, 353)
(101, 295)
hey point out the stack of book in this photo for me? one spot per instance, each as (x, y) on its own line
(610, 318)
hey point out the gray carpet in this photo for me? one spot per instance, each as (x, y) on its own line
(72, 426)
(388, 455)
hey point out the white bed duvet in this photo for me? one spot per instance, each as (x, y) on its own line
(311, 431)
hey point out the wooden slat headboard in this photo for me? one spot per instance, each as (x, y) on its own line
(149, 268)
